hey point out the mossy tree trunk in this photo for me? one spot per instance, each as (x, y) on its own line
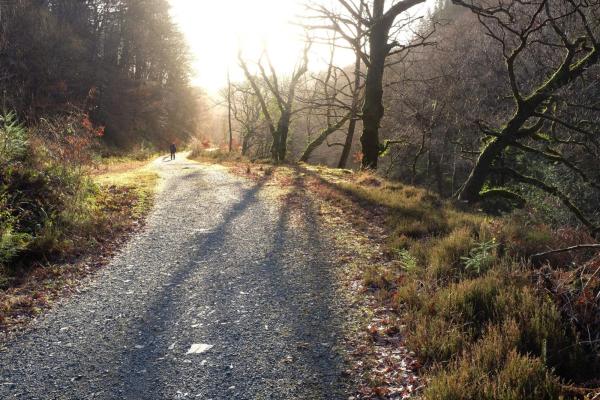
(516, 129)
(535, 113)
(321, 137)
(532, 111)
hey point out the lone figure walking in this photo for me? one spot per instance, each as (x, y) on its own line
(173, 149)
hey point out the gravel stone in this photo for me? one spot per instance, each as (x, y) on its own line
(218, 264)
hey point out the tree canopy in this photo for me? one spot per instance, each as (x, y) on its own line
(122, 61)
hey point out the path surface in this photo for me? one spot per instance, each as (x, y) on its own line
(219, 263)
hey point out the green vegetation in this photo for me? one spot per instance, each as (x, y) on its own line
(52, 208)
(46, 204)
(485, 322)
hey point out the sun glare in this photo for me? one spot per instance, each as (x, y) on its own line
(215, 30)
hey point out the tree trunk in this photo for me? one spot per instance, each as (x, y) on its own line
(471, 191)
(372, 111)
(355, 99)
(283, 127)
(568, 71)
(348, 142)
(245, 143)
(275, 146)
(312, 146)
(474, 184)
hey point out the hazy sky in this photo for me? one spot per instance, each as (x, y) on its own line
(216, 29)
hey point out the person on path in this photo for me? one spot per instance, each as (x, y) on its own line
(173, 149)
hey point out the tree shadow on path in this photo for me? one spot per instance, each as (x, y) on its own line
(294, 324)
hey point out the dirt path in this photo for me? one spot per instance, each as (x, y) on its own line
(220, 263)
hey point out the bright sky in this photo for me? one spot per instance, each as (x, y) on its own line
(216, 29)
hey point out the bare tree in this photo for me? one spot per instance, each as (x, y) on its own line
(562, 36)
(329, 97)
(284, 95)
(246, 112)
(377, 39)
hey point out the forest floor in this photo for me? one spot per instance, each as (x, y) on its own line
(238, 287)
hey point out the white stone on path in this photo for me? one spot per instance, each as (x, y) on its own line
(198, 348)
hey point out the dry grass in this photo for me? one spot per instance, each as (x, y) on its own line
(482, 331)
(141, 181)
(450, 307)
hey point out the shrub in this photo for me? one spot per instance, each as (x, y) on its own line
(378, 277)
(408, 262)
(413, 224)
(410, 296)
(445, 256)
(11, 242)
(466, 308)
(481, 257)
(13, 139)
(493, 369)
(523, 377)
(434, 339)
(522, 237)
(46, 201)
(470, 303)
(451, 318)
(544, 332)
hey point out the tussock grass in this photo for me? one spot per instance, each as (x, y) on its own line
(475, 311)
(446, 253)
(494, 369)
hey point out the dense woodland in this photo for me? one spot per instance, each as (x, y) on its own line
(477, 126)
(123, 63)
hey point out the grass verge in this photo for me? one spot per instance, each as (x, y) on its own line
(456, 287)
(123, 195)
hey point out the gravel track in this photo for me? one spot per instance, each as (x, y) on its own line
(220, 262)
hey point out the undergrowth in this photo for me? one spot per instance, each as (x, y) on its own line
(52, 208)
(48, 203)
(485, 321)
